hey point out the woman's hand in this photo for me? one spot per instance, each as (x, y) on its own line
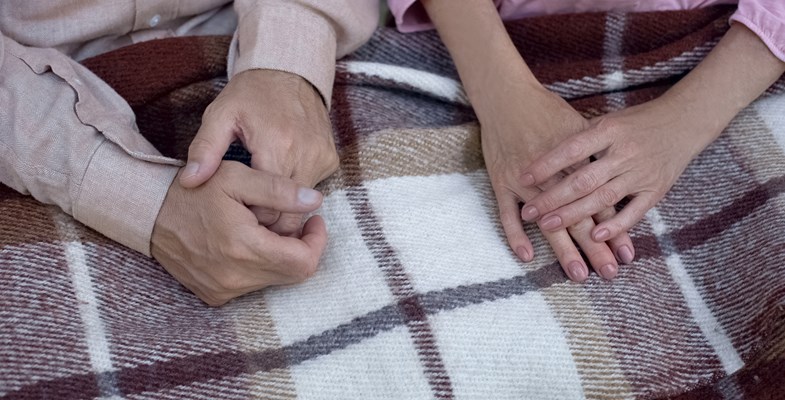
(642, 150)
(520, 120)
(518, 125)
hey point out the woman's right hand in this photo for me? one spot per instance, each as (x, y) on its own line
(520, 120)
(519, 124)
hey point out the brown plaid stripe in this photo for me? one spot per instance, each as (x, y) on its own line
(83, 317)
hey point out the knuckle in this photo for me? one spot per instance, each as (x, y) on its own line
(213, 298)
(266, 216)
(212, 303)
(615, 227)
(231, 167)
(509, 220)
(582, 227)
(200, 144)
(584, 182)
(281, 187)
(230, 282)
(332, 162)
(546, 204)
(574, 149)
(290, 224)
(607, 197)
(234, 249)
(605, 124)
(303, 270)
(286, 139)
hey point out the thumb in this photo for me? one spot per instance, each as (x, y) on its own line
(315, 235)
(207, 150)
(258, 188)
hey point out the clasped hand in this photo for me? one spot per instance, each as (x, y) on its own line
(225, 229)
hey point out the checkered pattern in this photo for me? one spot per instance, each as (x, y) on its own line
(417, 295)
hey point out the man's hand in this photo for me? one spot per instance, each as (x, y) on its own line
(281, 120)
(210, 241)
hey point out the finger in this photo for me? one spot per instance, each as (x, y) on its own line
(568, 255)
(604, 197)
(571, 151)
(287, 224)
(257, 188)
(600, 255)
(575, 186)
(207, 150)
(630, 215)
(297, 258)
(621, 245)
(266, 216)
(513, 227)
(315, 236)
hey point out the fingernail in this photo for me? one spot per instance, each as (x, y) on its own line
(551, 222)
(523, 253)
(529, 213)
(576, 270)
(308, 197)
(608, 271)
(190, 169)
(527, 180)
(625, 254)
(602, 235)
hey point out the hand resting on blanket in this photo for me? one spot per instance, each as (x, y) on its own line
(520, 120)
(231, 254)
(642, 150)
(282, 121)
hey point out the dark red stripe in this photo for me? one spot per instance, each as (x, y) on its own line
(712, 226)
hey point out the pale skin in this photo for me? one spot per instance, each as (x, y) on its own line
(642, 150)
(225, 229)
(520, 120)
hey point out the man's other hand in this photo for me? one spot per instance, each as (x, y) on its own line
(282, 121)
(211, 242)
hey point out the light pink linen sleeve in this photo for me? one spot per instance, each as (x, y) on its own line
(767, 19)
(68, 139)
(303, 37)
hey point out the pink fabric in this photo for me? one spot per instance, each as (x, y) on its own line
(764, 17)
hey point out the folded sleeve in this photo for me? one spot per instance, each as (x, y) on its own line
(767, 19)
(410, 15)
(68, 139)
(303, 37)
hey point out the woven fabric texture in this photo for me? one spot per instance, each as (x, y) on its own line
(418, 295)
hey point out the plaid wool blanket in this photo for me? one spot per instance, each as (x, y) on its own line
(418, 295)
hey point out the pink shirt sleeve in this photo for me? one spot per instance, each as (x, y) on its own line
(409, 15)
(767, 19)
(764, 17)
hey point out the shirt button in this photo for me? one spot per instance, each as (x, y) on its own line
(155, 20)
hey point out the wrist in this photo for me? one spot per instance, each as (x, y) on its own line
(508, 95)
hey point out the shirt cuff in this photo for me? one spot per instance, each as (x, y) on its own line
(410, 16)
(120, 196)
(290, 38)
(769, 26)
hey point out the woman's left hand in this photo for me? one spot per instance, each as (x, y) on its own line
(641, 151)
